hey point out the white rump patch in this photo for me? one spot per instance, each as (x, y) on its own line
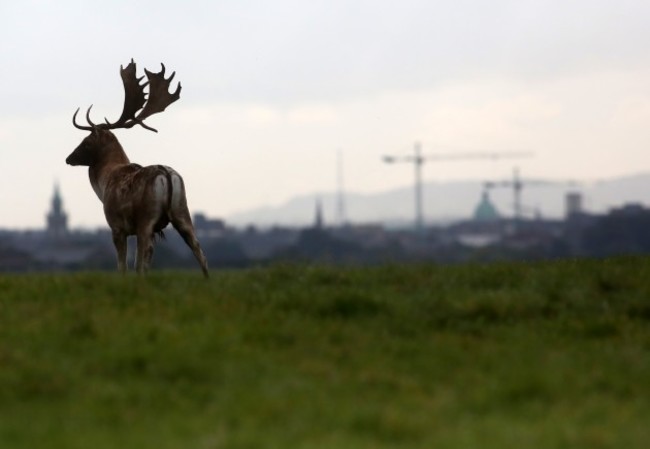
(160, 190)
(177, 187)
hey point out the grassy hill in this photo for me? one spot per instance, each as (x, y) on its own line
(506, 355)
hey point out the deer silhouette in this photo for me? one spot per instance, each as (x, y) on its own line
(137, 200)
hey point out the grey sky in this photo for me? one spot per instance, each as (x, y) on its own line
(273, 88)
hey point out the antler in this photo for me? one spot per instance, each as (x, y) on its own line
(135, 99)
(159, 96)
(84, 128)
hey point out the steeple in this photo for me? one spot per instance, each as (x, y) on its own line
(318, 219)
(57, 219)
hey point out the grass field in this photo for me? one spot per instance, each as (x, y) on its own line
(544, 355)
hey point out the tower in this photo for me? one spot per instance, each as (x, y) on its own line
(340, 194)
(318, 218)
(57, 219)
(573, 204)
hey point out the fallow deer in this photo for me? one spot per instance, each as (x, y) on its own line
(137, 200)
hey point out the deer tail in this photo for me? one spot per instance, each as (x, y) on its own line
(160, 235)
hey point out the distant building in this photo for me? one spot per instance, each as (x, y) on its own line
(57, 219)
(485, 210)
(573, 204)
(208, 227)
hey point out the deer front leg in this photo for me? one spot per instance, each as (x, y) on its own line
(119, 240)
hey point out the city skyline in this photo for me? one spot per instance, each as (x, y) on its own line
(273, 92)
(444, 203)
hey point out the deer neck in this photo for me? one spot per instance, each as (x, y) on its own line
(112, 157)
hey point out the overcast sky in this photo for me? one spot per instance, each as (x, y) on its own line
(272, 90)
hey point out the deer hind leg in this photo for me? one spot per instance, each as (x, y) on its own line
(119, 240)
(182, 222)
(144, 251)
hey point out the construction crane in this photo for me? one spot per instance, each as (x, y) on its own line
(517, 185)
(418, 159)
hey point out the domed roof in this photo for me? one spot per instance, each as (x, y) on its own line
(485, 210)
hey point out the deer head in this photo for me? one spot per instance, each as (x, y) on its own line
(137, 108)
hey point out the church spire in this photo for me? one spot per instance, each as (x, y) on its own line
(57, 219)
